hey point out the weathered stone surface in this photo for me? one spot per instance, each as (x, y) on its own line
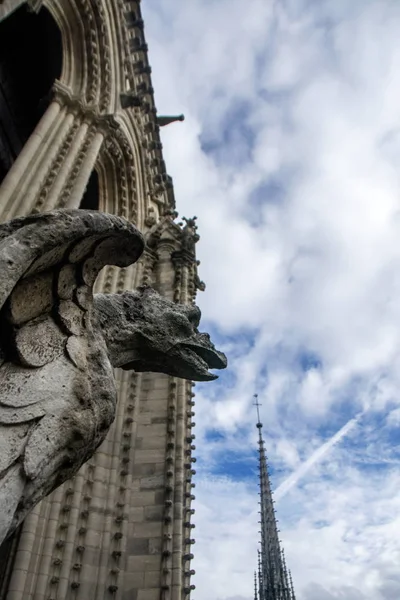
(134, 580)
(167, 337)
(147, 530)
(152, 579)
(130, 594)
(71, 317)
(158, 420)
(39, 342)
(138, 546)
(59, 392)
(67, 282)
(155, 545)
(153, 594)
(39, 289)
(152, 483)
(143, 499)
(154, 513)
(138, 469)
(77, 352)
(141, 564)
(151, 442)
(136, 514)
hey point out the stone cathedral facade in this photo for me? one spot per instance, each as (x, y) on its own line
(79, 128)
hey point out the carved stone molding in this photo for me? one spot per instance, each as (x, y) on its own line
(34, 5)
(138, 72)
(118, 151)
(86, 112)
(89, 65)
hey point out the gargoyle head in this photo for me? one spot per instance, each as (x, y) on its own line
(147, 332)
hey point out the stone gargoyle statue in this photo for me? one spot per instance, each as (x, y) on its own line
(59, 343)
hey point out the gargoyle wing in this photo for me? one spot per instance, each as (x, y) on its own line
(48, 266)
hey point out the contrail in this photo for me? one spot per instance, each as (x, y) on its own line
(318, 455)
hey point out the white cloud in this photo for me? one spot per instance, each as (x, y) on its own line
(316, 456)
(289, 157)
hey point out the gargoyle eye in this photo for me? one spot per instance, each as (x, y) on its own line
(194, 316)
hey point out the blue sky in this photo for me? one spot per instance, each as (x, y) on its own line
(289, 155)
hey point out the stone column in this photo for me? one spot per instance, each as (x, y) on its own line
(60, 179)
(55, 165)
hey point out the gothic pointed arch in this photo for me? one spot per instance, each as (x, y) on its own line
(30, 61)
(90, 70)
(87, 70)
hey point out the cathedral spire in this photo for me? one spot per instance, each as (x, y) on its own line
(274, 581)
(260, 584)
(292, 597)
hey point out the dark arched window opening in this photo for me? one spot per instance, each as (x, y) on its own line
(30, 61)
(90, 198)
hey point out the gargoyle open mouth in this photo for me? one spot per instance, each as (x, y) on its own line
(188, 360)
(200, 358)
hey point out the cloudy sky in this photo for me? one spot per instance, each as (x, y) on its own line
(289, 156)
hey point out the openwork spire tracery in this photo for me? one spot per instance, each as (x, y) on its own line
(274, 580)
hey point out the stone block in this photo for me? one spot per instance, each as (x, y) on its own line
(134, 580)
(152, 594)
(138, 470)
(135, 485)
(137, 546)
(147, 387)
(130, 594)
(155, 545)
(150, 456)
(158, 420)
(98, 503)
(155, 482)
(141, 564)
(155, 405)
(145, 418)
(160, 381)
(152, 579)
(143, 499)
(154, 513)
(136, 514)
(153, 430)
(152, 442)
(147, 529)
(159, 497)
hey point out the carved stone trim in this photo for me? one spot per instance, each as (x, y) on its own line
(34, 5)
(55, 167)
(74, 172)
(138, 71)
(84, 110)
(150, 260)
(105, 54)
(117, 149)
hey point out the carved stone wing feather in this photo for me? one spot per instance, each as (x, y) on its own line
(34, 244)
(48, 265)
